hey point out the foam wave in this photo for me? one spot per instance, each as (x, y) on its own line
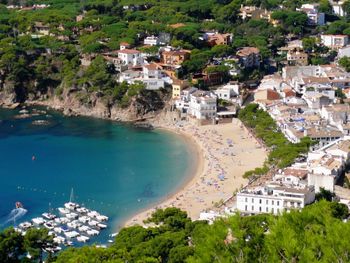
(15, 214)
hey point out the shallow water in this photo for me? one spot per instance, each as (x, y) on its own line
(116, 169)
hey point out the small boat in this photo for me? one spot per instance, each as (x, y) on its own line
(93, 214)
(71, 206)
(58, 230)
(92, 232)
(63, 210)
(93, 223)
(49, 216)
(25, 225)
(82, 210)
(72, 216)
(38, 220)
(49, 225)
(83, 239)
(19, 205)
(84, 228)
(71, 234)
(102, 226)
(59, 239)
(84, 219)
(101, 218)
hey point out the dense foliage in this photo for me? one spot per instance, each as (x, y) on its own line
(316, 234)
(282, 152)
(32, 65)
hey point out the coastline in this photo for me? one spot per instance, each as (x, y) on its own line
(197, 195)
(203, 191)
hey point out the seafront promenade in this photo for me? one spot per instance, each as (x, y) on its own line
(224, 153)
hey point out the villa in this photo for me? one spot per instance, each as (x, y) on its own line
(202, 105)
(275, 198)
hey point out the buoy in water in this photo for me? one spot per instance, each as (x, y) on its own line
(33, 158)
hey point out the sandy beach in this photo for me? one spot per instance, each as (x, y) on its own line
(225, 152)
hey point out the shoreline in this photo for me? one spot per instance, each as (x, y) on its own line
(213, 158)
(196, 195)
(193, 173)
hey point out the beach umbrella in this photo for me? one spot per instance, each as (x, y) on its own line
(221, 177)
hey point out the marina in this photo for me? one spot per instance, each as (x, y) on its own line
(106, 163)
(79, 224)
(73, 224)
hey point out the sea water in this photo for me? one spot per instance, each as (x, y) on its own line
(115, 169)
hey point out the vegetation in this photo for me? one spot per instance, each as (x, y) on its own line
(315, 234)
(282, 152)
(33, 65)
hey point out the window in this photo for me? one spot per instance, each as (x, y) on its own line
(272, 210)
(252, 208)
(278, 202)
(246, 199)
(260, 208)
(273, 202)
(267, 210)
(253, 200)
(267, 202)
(246, 208)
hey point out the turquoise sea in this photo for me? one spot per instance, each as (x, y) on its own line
(113, 168)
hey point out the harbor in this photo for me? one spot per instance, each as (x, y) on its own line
(70, 225)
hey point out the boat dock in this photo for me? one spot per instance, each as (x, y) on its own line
(72, 223)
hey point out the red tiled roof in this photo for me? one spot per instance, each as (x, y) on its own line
(129, 51)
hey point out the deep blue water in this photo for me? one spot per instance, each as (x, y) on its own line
(116, 169)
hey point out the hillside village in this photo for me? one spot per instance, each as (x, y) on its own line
(288, 59)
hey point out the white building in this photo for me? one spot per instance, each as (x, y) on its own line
(150, 75)
(183, 103)
(324, 169)
(151, 41)
(228, 91)
(344, 52)
(130, 57)
(274, 198)
(203, 105)
(334, 41)
(151, 71)
(314, 16)
(337, 7)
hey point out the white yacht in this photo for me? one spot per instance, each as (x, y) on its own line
(49, 225)
(71, 206)
(93, 223)
(49, 216)
(71, 234)
(72, 215)
(83, 239)
(63, 210)
(82, 210)
(92, 232)
(25, 225)
(38, 220)
(101, 226)
(102, 218)
(84, 228)
(84, 219)
(59, 239)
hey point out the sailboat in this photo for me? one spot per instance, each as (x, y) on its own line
(49, 215)
(71, 205)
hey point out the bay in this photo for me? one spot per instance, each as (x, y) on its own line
(113, 168)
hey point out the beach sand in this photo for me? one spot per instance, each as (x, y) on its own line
(227, 150)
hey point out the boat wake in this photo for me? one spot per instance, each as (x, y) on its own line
(15, 215)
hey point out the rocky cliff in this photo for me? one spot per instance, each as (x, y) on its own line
(146, 104)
